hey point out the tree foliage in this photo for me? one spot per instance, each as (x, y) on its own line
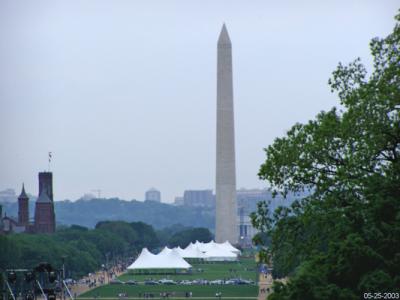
(185, 237)
(343, 239)
(85, 250)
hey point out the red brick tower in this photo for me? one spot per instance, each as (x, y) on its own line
(44, 214)
(23, 208)
(45, 219)
(46, 183)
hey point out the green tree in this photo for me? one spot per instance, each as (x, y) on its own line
(343, 239)
(146, 236)
(184, 237)
(166, 233)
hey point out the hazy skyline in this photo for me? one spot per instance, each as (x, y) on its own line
(123, 93)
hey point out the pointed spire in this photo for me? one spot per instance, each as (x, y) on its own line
(224, 36)
(23, 194)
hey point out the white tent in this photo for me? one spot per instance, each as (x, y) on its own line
(217, 252)
(192, 251)
(143, 261)
(166, 250)
(172, 260)
(189, 248)
(206, 246)
(164, 260)
(199, 244)
(180, 251)
(229, 246)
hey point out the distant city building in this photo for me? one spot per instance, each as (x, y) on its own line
(246, 230)
(8, 195)
(178, 201)
(199, 198)
(44, 220)
(87, 197)
(247, 200)
(153, 195)
(10, 224)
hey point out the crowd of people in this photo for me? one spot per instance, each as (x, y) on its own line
(93, 280)
(163, 295)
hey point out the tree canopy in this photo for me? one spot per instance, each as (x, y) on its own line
(85, 250)
(185, 237)
(344, 238)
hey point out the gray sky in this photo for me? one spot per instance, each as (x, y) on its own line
(124, 92)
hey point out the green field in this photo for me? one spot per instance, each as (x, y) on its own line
(111, 291)
(245, 269)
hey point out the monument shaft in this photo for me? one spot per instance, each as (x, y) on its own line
(226, 227)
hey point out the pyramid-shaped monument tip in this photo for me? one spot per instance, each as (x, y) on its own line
(224, 36)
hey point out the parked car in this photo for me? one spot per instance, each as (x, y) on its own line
(116, 281)
(242, 281)
(131, 282)
(166, 281)
(150, 282)
(231, 281)
(186, 282)
(218, 281)
(247, 281)
(196, 281)
(204, 282)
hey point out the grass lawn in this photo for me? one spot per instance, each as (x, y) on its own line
(245, 269)
(111, 291)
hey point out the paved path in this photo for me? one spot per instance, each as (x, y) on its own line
(78, 289)
(265, 286)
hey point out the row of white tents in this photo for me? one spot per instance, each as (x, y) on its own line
(175, 258)
(211, 251)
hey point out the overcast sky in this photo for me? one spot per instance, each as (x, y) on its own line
(124, 92)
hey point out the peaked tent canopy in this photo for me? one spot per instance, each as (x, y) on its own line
(217, 252)
(166, 250)
(180, 251)
(164, 260)
(192, 251)
(229, 247)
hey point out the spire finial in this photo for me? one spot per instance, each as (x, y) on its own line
(23, 193)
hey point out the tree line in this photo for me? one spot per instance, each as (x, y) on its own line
(85, 250)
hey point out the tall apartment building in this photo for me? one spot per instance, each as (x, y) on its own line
(199, 198)
(153, 195)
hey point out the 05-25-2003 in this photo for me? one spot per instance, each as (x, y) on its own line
(382, 295)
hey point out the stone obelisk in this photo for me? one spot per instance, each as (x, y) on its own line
(226, 227)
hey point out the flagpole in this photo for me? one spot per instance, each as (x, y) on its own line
(49, 160)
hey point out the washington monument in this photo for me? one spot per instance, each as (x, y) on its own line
(226, 229)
